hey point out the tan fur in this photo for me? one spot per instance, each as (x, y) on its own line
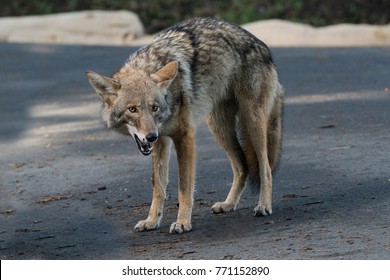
(201, 67)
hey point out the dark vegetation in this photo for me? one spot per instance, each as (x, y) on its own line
(158, 14)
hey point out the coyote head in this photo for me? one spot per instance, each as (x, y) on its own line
(135, 102)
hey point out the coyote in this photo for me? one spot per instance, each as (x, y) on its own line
(201, 67)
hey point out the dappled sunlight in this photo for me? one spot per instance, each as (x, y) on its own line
(61, 109)
(332, 97)
(65, 119)
(49, 121)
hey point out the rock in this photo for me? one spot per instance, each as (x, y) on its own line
(125, 28)
(282, 33)
(89, 27)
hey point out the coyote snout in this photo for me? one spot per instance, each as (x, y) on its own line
(145, 144)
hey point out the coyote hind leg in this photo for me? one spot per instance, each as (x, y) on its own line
(222, 123)
(255, 120)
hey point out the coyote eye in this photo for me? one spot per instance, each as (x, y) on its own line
(155, 108)
(133, 109)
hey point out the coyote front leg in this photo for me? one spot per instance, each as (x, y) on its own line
(161, 152)
(185, 149)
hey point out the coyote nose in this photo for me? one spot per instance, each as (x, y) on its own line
(151, 137)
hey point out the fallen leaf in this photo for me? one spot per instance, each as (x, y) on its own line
(53, 198)
(290, 196)
(327, 126)
(18, 165)
(7, 212)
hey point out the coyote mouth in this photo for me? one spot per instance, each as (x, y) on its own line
(144, 147)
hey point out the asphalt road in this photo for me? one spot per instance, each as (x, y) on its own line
(70, 189)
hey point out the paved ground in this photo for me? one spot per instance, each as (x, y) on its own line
(72, 190)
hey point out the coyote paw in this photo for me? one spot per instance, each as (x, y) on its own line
(222, 207)
(145, 225)
(261, 210)
(180, 228)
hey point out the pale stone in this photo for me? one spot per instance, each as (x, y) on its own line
(287, 34)
(125, 28)
(89, 27)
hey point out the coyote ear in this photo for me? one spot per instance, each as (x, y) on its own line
(165, 76)
(104, 86)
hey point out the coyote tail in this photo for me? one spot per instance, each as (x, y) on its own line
(274, 142)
